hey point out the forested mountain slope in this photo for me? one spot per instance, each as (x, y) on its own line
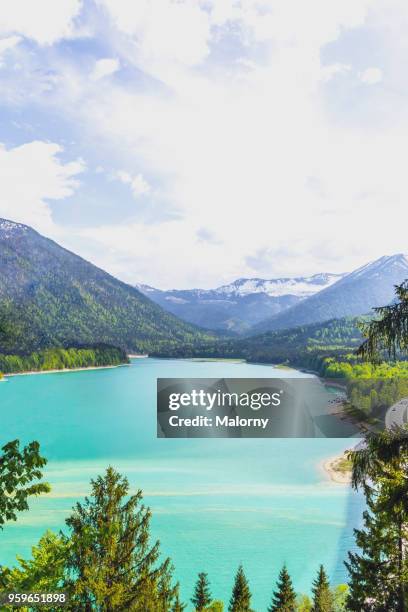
(355, 294)
(51, 297)
(241, 304)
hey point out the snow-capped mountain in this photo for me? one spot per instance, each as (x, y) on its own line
(387, 265)
(355, 294)
(240, 304)
(53, 298)
(259, 305)
(301, 286)
(9, 229)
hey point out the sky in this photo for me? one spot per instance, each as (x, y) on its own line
(187, 143)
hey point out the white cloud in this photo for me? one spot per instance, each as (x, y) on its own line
(232, 122)
(30, 175)
(328, 72)
(104, 67)
(235, 149)
(6, 44)
(164, 29)
(44, 21)
(137, 183)
(371, 76)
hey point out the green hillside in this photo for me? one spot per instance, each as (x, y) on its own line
(353, 295)
(63, 359)
(306, 346)
(50, 297)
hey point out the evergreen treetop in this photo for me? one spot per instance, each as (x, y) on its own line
(202, 594)
(390, 332)
(241, 595)
(111, 563)
(284, 598)
(379, 570)
(322, 596)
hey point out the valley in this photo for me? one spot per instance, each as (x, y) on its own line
(237, 307)
(52, 299)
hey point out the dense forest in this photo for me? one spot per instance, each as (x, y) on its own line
(353, 295)
(105, 559)
(371, 388)
(305, 346)
(309, 346)
(329, 349)
(60, 359)
(51, 297)
(376, 375)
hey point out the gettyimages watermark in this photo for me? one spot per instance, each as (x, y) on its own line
(221, 399)
(301, 407)
(251, 408)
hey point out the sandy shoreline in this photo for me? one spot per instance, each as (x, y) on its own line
(56, 371)
(328, 467)
(85, 369)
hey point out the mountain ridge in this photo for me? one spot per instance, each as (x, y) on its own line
(300, 286)
(240, 304)
(53, 297)
(355, 294)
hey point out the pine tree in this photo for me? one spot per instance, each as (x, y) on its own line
(284, 599)
(241, 596)
(178, 606)
(340, 595)
(379, 570)
(111, 564)
(375, 572)
(389, 332)
(322, 596)
(43, 572)
(304, 603)
(202, 594)
(166, 591)
(215, 606)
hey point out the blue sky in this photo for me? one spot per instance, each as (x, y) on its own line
(187, 143)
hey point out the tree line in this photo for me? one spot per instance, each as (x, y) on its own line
(105, 559)
(63, 358)
(284, 597)
(371, 388)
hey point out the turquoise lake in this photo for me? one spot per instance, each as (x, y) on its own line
(215, 502)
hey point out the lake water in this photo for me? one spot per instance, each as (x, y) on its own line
(215, 502)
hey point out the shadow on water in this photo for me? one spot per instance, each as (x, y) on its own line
(353, 518)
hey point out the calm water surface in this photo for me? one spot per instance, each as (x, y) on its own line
(215, 502)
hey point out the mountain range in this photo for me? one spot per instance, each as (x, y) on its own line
(354, 294)
(240, 305)
(252, 306)
(303, 346)
(52, 297)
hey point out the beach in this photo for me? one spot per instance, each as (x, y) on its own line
(55, 371)
(329, 466)
(218, 501)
